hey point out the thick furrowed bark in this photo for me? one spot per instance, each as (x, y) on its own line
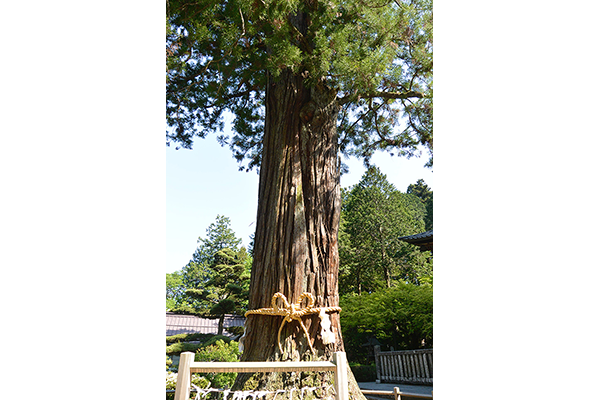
(295, 245)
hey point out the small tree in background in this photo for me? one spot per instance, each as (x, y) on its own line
(219, 235)
(195, 289)
(226, 292)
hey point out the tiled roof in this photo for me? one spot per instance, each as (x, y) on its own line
(419, 237)
(179, 323)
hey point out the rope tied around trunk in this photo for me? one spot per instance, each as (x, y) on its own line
(295, 311)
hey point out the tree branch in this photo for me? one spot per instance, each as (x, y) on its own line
(383, 95)
(232, 96)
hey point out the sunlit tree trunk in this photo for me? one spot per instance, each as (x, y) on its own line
(295, 248)
(296, 241)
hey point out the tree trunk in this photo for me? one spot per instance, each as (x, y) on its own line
(220, 327)
(386, 269)
(296, 240)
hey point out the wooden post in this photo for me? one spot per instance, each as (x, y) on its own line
(377, 350)
(341, 376)
(182, 389)
(397, 394)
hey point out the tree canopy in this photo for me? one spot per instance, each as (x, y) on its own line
(219, 236)
(175, 290)
(374, 217)
(422, 191)
(375, 57)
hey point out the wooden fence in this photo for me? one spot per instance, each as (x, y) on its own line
(187, 366)
(398, 395)
(407, 366)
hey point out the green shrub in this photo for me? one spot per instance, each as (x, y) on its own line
(179, 347)
(189, 337)
(400, 316)
(215, 338)
(212, 348)
(219, 351)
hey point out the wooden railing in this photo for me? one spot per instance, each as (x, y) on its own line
(398, 395)
(187, 366)
(407, 366)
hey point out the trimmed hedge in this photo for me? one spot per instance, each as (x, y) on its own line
(179, 343)
(213, 340)
(189, 337)
(178, 348)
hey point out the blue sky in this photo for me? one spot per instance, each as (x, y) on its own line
(205, 181)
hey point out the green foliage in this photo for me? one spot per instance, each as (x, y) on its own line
(401, 317)
(226, 292)
(374, 216)
(219, 351)
(215, 348)
(377, 56)
(189, 337)
(230, 280)
(429, 217)
(215, 338)
(175, 348)
(178, 348)
(175, 290)
(217, 279)
(422, 191)
(219, 236)
(422, 264)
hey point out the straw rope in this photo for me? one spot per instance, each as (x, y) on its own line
(291, 312)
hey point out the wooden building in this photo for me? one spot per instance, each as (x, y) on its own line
(424, 240)
(180, 323)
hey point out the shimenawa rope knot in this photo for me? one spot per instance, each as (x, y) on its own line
(294, 311)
